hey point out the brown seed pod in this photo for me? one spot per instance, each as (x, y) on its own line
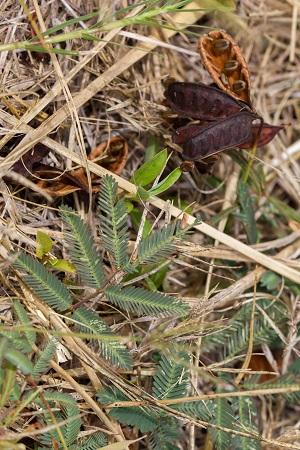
(201, 102)
(216, 136)
(221, 55)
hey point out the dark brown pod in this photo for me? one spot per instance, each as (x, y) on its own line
(218, 136)
(202, 102)
(217, 63)
(185, 133)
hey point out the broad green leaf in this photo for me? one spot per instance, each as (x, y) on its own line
(19, 360)
(166, 183)
(151, 148)
(129, 206)
(44, 244)
(150, 169)
(142, 194)
(62, 264)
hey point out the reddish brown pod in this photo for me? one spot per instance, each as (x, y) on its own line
(217, 136)
(266, 134)
(225, 63)
(226, 111)
(199, 101)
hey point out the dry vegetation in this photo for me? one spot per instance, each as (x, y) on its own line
(69, 104)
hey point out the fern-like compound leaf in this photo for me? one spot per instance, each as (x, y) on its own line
(85, 255)
(165, 434)
(224, 417)
(172, 376)
(161, 243)
(151, 303)
(94, 442)
(24, 319)
(68, 412)
(236, 338)
(73, 423)
(286, 381)
(157, 246)
(141, 417)
(245, 421)
(43, 284)
(202, 410)
(111, 348)
(16, 340)
(247, 215)
(113, 216)
(42, 364)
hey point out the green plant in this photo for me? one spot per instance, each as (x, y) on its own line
(225, 416)
(91, 268)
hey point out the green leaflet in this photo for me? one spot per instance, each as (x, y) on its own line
(19, 360)
(114, 231)
(85, 255)
(111, 347)
(246, 413)
(141, 417)
(44, 284)
(24, 319)
(42, 363)
(146, 302)
(172, 376)
(247, 212)
(224, 417)
(166, 183)
(45, 244)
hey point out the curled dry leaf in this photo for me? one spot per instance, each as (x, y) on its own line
(25, 165)
(112, 155)
(59, 183)
(225, 63)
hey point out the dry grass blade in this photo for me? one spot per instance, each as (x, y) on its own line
(128, 325)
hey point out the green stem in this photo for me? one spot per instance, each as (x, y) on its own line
(138, 19)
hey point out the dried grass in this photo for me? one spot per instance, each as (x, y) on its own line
(116, 89)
